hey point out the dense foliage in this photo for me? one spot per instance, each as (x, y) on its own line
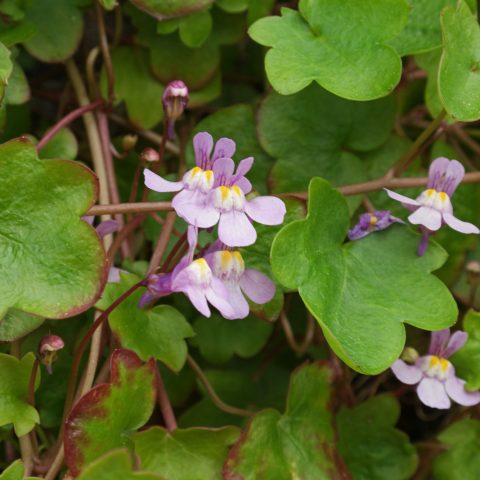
(239, 239)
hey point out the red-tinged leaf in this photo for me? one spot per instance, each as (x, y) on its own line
(103, 418)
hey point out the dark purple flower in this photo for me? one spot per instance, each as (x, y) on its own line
(433, 207)
(48, 350)
(435, 375)
(372, 222)
(175, 99)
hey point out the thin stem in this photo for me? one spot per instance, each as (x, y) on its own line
(66, 120)
(107, 60)
(213, 395)
(139, 207)
(162, 242)
(31, 383)
(465, 138)
(180, 242)
(405, 160)
(299, 348)
(56, 464)
(164, 402)
(27, 452)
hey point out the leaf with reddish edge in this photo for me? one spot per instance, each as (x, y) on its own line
(15, 471)
(297, 444)
(105, 416)
(46, 251)
(162, 10)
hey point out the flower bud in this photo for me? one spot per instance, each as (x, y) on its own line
(409, 355)
(149, 155)
(175, 99)
(129, 142)
(48, 350)
(473, 272)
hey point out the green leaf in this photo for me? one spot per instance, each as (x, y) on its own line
(14, 383)
(422, 32)
(16, 324)
(461, 460)
(459, 69)
(429, 62)
(161, 9)
(196, 28)
(43, 242)
(6, 67)
(58, 30)
(190, 454)
(15, 471)
(108, 4)
(105, 417)
(341, 45)
(159, 332)
(297, 444)
(62, 145)
(17, 32)
(237, 122)
(371, 446)
(362, 292)
(316, 133)
(17, 90)
(467, 359)
(136, 86)
(115, 465)
(219, 340)
(233, 6)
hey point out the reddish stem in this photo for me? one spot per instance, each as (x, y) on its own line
(164, 402)
(66, 121)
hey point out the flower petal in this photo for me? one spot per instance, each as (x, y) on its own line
(159, 184)
(199, 301)
(225, 147)
(438, 341)
(436, 171)
(146, 298)
(235, 229)
(222, 170)
(240, 307)
(408, 374)
(432, 393)
(244, 184)
(107, 227)
(456, 390)
(217, 295)
(401, 198)
(444, 175)
(266, 210)
(203, 145)
(459, 225)
(257, 286)
(428, 217)
(114, 275)
(194, 208)
(456, 342)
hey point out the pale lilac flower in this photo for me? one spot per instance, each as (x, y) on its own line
(433, 207)
(435, 375)
(195, 279)
(234, 211)
(191, 201)
(229, 267)
(48, 350)
(372, 222)
(175, 99)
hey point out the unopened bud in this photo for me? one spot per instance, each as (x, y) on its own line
(409, 355)
(129, 142)
(175, 99)
(149, 155)
(48, 350)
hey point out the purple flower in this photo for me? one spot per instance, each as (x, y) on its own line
(234, 211)
(191, 201)
(433, 207)
(195, 279)
(229, 267)
(213, 192)
(175, 99)
(48, 350)
(435, 375)
(372, 222)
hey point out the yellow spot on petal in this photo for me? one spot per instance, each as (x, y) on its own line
(209, 175)
(444, 364)
(224, 192)
(238, 257)
(430, 192)
(226, 258)
(443, 196)
(434, 361)
(202, 264)
(236, 189)
(373, 220)
(196, 171)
